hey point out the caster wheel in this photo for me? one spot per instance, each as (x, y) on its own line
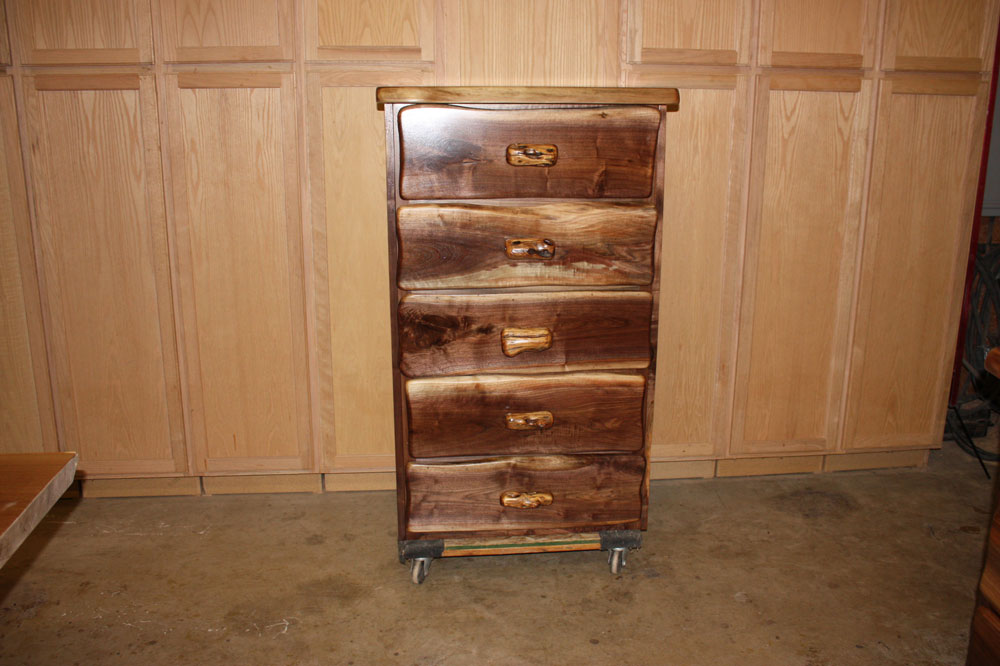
(616, 560)
(418, 569)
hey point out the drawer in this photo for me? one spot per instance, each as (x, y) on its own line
(450, 152)
(566, 491)
(468, 246)
(441, 334)
(586, 412)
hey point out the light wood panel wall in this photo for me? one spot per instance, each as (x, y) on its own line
(26, 420)
(100, 230)
(231, 315)
(240, 262)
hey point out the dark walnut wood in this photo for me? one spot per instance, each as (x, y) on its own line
(461, 153)
(445, 246)
(454, 334)
(669, 97)
(586, 491)
(589, 412)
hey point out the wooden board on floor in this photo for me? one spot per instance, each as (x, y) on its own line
(875, 460)
(682, 469)
(30, 483)
(359, 481)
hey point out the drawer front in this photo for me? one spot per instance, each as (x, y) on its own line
(456, 334)
(452, 152)
(541, 492)
(467, 246)
(586, 412)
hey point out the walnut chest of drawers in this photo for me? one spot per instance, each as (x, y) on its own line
(524, 242)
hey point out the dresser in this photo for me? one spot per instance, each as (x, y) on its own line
(524, 236)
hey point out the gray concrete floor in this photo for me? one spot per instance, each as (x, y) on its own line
(853, 568)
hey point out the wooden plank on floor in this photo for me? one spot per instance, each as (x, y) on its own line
(263, 483)
(148, 487)
(875, 460)
(344, 481)
(682, 469)
(762, 466)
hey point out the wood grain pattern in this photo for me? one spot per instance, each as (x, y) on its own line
(226, 30)
(448, 245)
(698, 261)
(548, 43)
(27, 423)
(915, 242)
(712, 32)
(800, 269)
(99, 212)
(940, 36)
(465, 416)
(354, 331)
(526, 95)
(4, 40)
(30, 483)
(82, 31)
(450, 152)
(236, 204)
(370, 29)
(588, 491)
(441, 335)
(820, 33)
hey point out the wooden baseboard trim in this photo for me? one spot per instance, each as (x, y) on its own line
(877, 460)
(682, 469)
(386, 480)
(764, 466)
(351, 481)
(141, 487)
(263, 483)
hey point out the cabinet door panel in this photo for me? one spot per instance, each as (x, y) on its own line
(370, 29)
(104, 266)
(920, 211)
(82, 31)
(819, 33)
(26, 420)
(702, 203)
(694, 32)
(236, 189)
(801, 249)
(213, 30)
(532, 42)
(940, 35)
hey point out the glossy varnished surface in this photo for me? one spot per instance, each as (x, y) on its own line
(587, 491)
(463, 246)
(454, 334)
(466, 416)
(461, 153)
(526, 95)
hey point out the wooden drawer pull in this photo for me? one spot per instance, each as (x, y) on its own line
(532, 154)
(530, 248)
(529, 421)
(516, 499)
(517, 340)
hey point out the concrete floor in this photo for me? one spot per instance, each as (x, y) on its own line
(851, 568)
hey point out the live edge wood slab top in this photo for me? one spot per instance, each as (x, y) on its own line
(527, 95)
(30, 483)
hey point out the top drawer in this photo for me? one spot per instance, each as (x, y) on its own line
(450, 152)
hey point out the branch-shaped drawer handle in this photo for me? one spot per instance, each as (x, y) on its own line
(532, 154)
(517, 340)
(529, 420)
(530, 248)
(517, 499)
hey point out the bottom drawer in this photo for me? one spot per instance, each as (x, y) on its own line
(541, 492)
